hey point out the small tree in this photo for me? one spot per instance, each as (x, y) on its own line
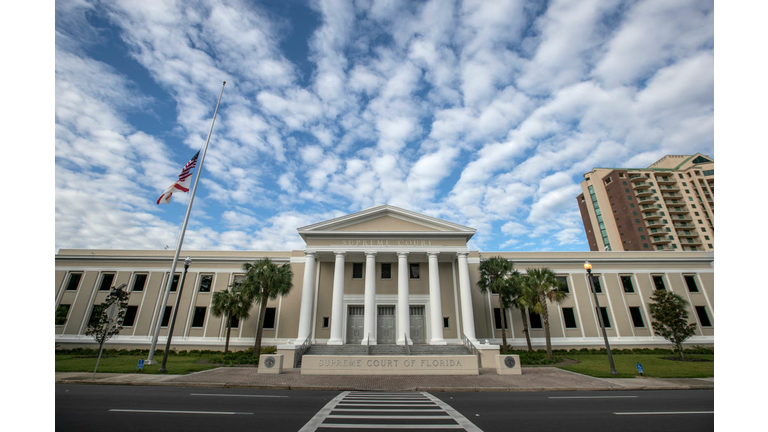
(233, 303)
(102, 326)
(265, 280)
(544, 283)
(670, 318)
(496, 276)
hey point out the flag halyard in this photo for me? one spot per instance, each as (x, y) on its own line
(182, 184)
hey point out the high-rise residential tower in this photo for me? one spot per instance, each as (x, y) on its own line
(668, 206)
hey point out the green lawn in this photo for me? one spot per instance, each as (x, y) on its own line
(126, 363)
(654, 365)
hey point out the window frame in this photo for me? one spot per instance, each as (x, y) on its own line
(355, 267)
(135, 308)
(104, 278)
(498, 315)
(656, 285)
(638, 309)
(136, 278)
(210, 285)
(572, 317)
(703, 310)
(196, 317)
(692, 279)
(388, 266)
(274, 318)
(69, 281)
(624, 286)
(411, 273)
(606, 317)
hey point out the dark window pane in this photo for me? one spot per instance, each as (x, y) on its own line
(386, 270)
(199, 317)
(606, 321)
(414, 267)
(690, 281)
(166, 316)
(626, 282)
(535, 320)
(357, 270)
(658, 282)
(701, 311)
(596, 284)
(138, 282)
(61, 314)
(569, 318)
(563, 283)
(269, 318)
(234, 322)
(497, 316)
(637, 317)
(175, 283)
(446, 322)
(205, 283)
(326, 322)
(74, 281)
(130, 316)
(106, 282)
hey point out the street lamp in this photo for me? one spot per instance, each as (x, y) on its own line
(187, 262)
(588, 268)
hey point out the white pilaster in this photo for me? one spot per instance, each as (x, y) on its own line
(435, 303)
(467, 315)
(369, 324)
(307, 295)
(337, 307)
(403, 310)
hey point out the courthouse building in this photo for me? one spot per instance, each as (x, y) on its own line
(381, 276)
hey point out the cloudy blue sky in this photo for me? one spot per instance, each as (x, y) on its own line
(484, 113)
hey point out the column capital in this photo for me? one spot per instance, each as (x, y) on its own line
(310, 254)
(433, 254)
(402, 254)
(462, 254)
(370, 253)
(340, 253)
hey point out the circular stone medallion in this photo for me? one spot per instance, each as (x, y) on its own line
(270, 361)
(509, 361)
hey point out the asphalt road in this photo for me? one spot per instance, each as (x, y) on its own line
(155, 408)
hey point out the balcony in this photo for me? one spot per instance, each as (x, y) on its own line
(684, 225)
(665, 180)
(654, 215)
(687, 233)
(671, 195)
(676, 210)
(643, 192)
(691, 241)
(646, 199)
(662, 239)
(664, 248)
(649, 207)
(637, 177)
(654, 223)
(670, 188)
(641, 185)
(683, 218)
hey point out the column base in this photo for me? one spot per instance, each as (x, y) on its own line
(402, 342)
(335, 342)
(438, 342)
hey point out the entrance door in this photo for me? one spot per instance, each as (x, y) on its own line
(355, 321)
(385, 325)
(418, 331)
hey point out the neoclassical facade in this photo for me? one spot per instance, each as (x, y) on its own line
(384, 275)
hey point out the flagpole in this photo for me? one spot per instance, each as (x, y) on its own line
(150, 359)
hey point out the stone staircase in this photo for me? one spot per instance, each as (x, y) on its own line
(387, 350)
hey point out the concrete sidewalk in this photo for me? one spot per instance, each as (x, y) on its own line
(532, 379)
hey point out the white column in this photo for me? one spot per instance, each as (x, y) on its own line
(307, 295)
(337, 307)
(369, 325)
(467, 316)
(403, 311)
(435, 303)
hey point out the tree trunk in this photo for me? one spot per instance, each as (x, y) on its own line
(262, 312)
(523, 313)
(503, 335)
(545, 317)
(229, 328)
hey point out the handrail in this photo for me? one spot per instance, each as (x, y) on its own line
(368, 344)
(407, 348)
(468, 344)
(302, 349)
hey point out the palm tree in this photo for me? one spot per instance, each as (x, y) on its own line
(233, 303)
(265, 280)
(525, 300)
(546, 286)
(496, 276)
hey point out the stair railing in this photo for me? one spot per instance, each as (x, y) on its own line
(471, 347)
(302, 349)
(407, 348)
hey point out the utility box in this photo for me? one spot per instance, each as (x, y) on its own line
(508, 364)
(271, 363)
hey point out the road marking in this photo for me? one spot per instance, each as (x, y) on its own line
(664, 412)
(180, 412)
(590, 397)
(421, 408)
(236, 395)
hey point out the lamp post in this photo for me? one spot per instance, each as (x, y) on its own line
(187, 262)
(588, 268)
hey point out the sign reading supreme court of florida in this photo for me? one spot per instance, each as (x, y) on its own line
(389, 365)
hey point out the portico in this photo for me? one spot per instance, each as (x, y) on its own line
(395, 257)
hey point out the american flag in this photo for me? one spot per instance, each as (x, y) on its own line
(182, 184)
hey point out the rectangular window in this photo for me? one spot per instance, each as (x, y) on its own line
(497, 316)
(269, 318)
(138, 282)
(199, 317)
(205, 283)
(658, 283)
(386, 270)
(326, 322)
(606, 321)
(106, 281)
(414, 269)
(701, 311)
(130, 316)
(563, 283)
(175, 283)
(234, 322)
(535, 320)
(596, 284)
(357, 270)
(626, 282)
(690, 281)
(61, 313)
(237, 280)
(569, 318)
(446, 322)
(74, 281)
(166, 316)
(637, 316)
(93, 318)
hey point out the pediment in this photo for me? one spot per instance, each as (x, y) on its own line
(384, 220)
